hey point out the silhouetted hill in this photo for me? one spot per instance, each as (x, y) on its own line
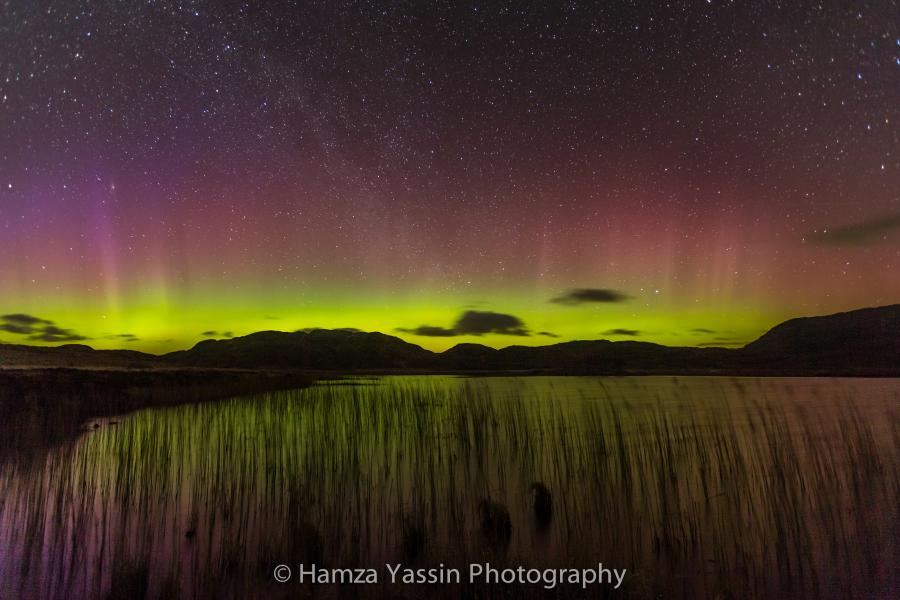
(867, 339)
(316, 349)
(470, 357)
(72, 355)
(598, 356)
(859, 342)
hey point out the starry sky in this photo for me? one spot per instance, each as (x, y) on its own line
(505, 173)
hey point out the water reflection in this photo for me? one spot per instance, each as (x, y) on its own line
(698, 486)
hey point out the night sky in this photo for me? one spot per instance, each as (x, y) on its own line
(505, 173)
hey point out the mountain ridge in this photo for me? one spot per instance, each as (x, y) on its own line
(859, 342)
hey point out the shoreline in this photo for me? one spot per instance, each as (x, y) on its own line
(46, 406)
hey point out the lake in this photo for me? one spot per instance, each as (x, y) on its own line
(696, 486)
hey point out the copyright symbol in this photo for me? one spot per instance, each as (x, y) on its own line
(282, 573)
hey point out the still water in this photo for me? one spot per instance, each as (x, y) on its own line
(698, 487)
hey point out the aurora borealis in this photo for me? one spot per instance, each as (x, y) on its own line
(687, 174)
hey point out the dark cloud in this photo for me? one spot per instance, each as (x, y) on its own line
(22, 324)
(217, 334)
(865, 233)
(37, 329)
(429, 331)
(127, 337)
(547, 334)
(620, 331)
(52, 333)
(474, 322)
(23, 319)
(702, 330)
(590, 296)
(15, 328)
(724, 341)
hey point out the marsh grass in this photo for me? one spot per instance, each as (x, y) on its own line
(44, 407)
(700, 487)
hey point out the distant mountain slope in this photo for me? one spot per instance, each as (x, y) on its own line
(72, 355)
(867, 338)
(586, 357)
(859, 342)
(316, 349)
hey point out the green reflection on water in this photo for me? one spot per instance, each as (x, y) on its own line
(698, 486)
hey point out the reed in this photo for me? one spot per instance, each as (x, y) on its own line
(700, 487)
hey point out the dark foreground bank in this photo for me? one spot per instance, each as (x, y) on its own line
(42, 406)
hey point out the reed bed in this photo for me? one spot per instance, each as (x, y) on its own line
(699, 487)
